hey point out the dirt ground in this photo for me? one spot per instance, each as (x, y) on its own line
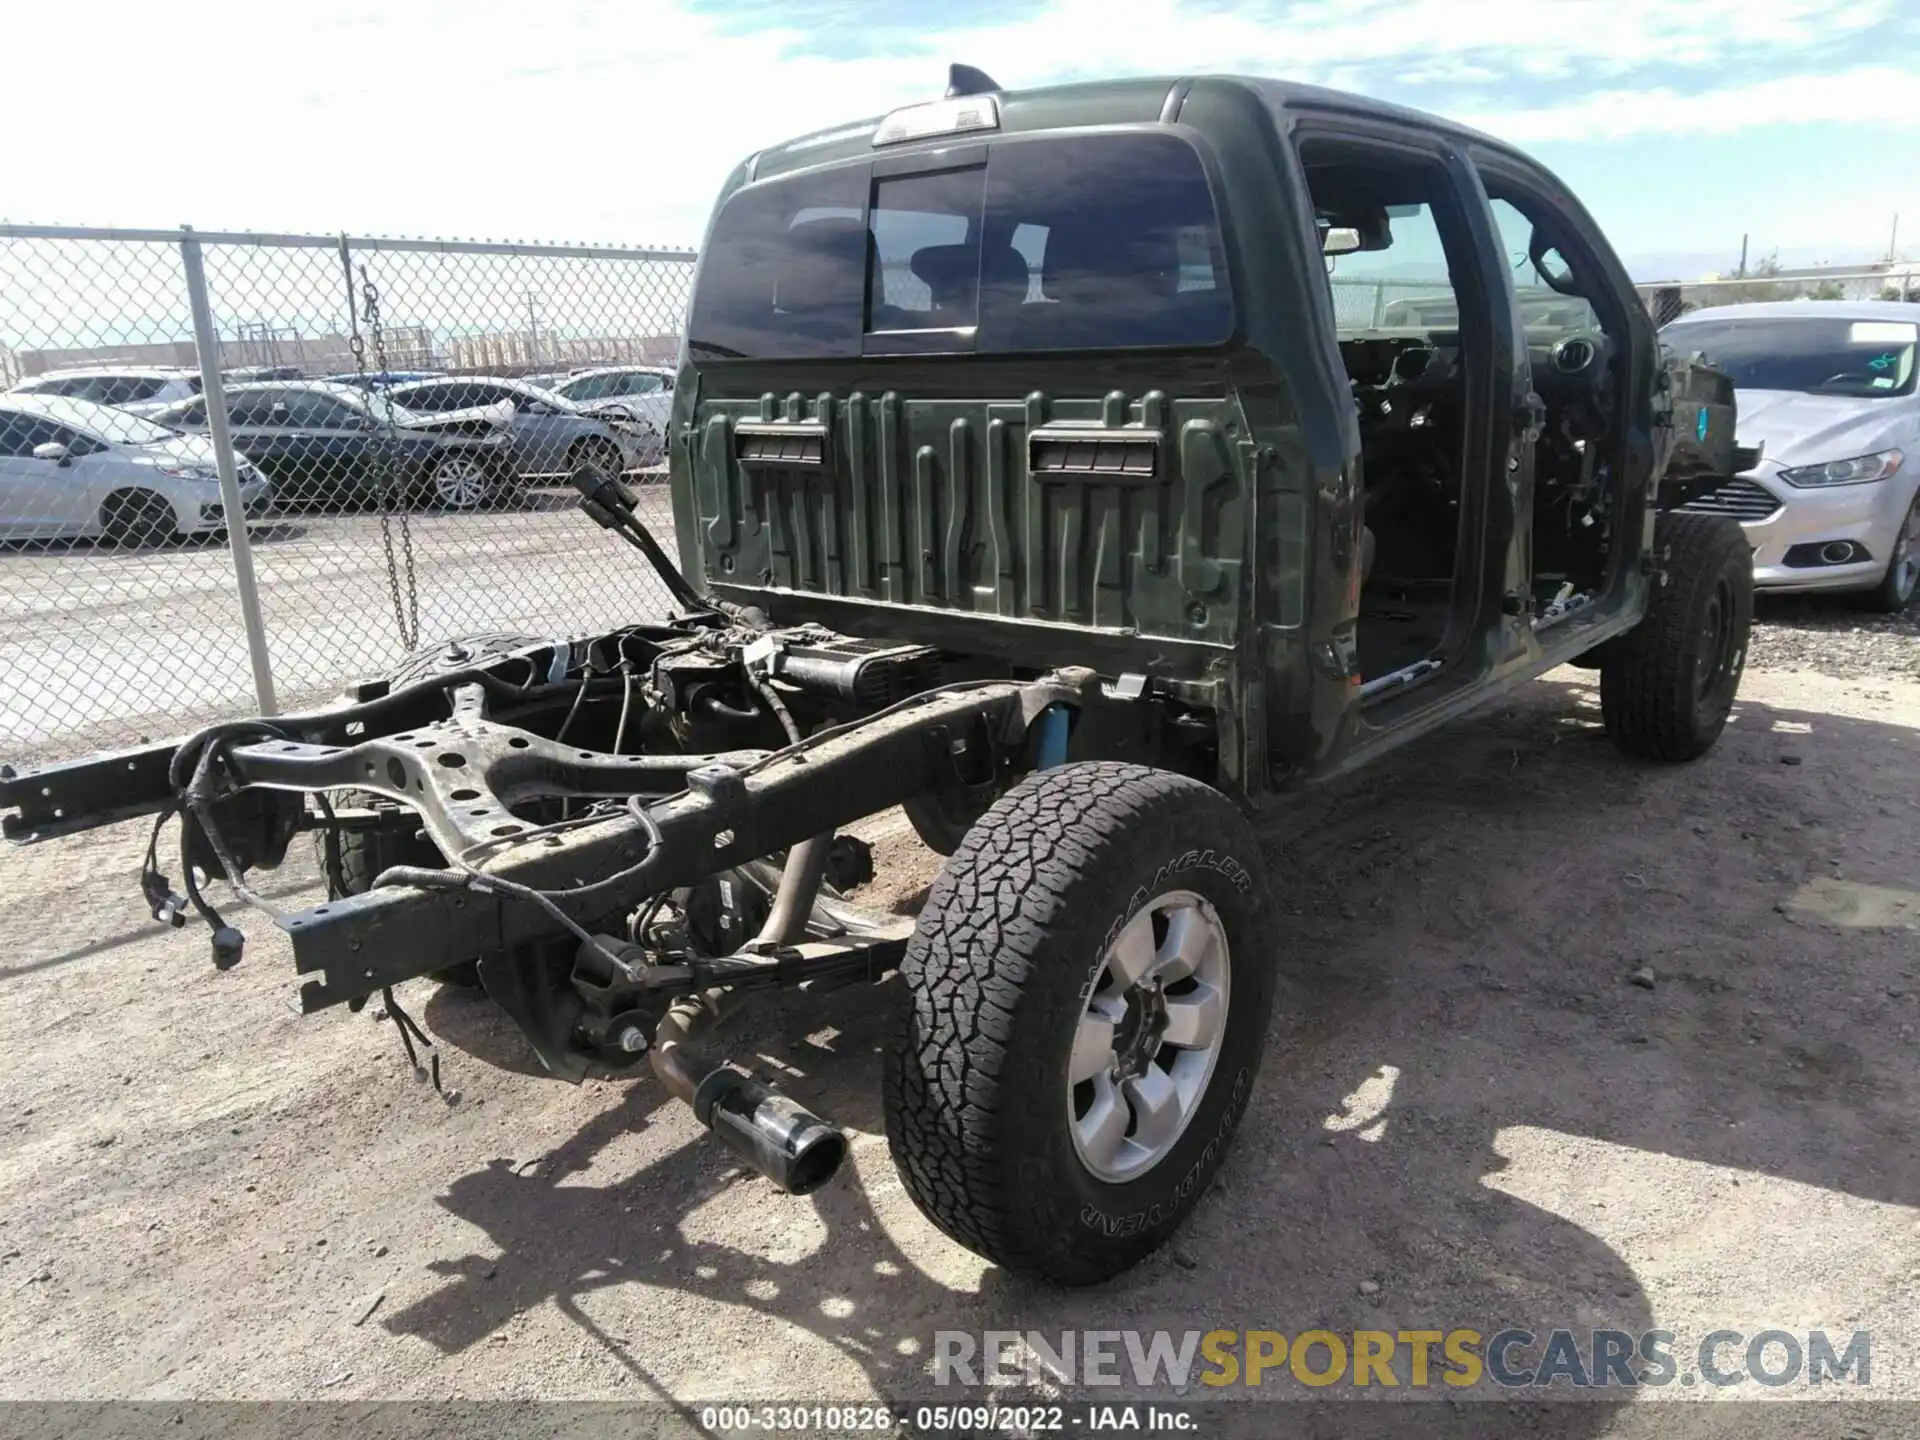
(1473, 1111)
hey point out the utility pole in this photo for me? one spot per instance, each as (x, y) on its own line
(1893, 241)
(533, 330)
(1743, 257)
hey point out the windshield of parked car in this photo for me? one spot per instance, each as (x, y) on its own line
(1052, 242)
(116, 426)
(1819, 355)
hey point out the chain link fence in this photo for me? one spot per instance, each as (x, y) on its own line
(390, 422)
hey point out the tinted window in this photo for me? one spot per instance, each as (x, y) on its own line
(432, 397)
(455, 395)
(785, 274)
(19, 434)
(309, 411)
(1073, 242)
(251, 407)
(592, 387)
(926, 240)
(126, 389)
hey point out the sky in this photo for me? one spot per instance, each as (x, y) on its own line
(1682, 123)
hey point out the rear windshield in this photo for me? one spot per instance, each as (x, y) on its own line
(1868, 359)
(1062, 242)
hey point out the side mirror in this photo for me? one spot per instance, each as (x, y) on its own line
(1551, 266)
(53, 450)
(538, 407)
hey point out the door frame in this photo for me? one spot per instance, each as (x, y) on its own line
(1495, 373)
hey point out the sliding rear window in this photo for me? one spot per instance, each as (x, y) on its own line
(1055, 243)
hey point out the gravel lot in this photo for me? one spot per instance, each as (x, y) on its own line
(1564, 1040)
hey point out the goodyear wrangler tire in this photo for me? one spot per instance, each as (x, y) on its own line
(1667, 686)
(1088, 991)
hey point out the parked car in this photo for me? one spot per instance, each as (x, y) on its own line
(1827, 389)
(551, 436)
(72, 469)
(641, 393)
(321, 442)
(147, 389)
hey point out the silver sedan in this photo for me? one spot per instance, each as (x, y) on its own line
(1828, 390)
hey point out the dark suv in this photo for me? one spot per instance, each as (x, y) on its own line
(1078, 469)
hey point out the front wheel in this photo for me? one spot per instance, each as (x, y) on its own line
(460, 482)
(1088, 991)
(1896, 590)
(132, 519)
(1667, 686)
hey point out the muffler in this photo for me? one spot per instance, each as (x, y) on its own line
(774, 1133)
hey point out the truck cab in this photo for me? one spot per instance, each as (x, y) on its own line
(1317, 414)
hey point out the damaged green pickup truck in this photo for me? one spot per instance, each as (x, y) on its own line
(1078, 469)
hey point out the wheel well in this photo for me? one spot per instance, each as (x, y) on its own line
(589, 442)
(136, 494)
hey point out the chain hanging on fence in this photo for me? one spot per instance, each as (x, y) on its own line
(406, 607)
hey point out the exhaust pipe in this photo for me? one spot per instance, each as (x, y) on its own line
(1837, 552)
(774, 1133)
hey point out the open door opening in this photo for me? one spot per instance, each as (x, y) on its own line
(1393, 246)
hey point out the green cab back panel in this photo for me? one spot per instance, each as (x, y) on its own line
(1121, 513)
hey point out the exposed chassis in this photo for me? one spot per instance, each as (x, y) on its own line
(516, 888)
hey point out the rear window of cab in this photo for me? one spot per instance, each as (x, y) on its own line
(1019, 245)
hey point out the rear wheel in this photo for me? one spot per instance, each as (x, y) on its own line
(1668, 685)
(1088, 992)
(1896, 589)
(130, 519)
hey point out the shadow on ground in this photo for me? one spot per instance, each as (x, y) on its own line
(1457, 926)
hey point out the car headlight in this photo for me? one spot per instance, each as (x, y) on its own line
(1856, 471)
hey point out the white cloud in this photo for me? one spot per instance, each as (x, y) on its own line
(1885, 96)
(595, 119)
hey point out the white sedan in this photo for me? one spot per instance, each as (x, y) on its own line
(640, 393)
(71, 469)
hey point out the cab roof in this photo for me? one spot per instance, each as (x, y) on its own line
(1101, 102)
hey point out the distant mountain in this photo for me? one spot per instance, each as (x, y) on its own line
(1697, 264)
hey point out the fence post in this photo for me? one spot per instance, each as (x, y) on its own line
(207, 347)
(1379, 304)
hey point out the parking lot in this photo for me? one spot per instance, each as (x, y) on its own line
(1565, 1041)
(102, 646)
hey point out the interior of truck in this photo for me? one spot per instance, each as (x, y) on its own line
(1394, 244)
(1394, 248)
